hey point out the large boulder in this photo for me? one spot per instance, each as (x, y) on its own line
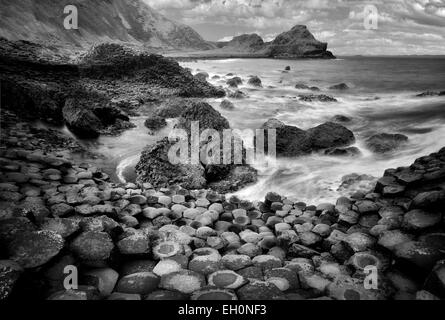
(203, 113)
(156, 168)
(385, 142)
(330, 134)
(255, 81)
(292, 141)
(81, 121)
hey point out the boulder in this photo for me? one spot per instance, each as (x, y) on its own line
(155, 123)
(385, 142)
(234, 82)
(340, 86)
(154, 167)
(255, 81)
(227, 105)
(316, 97)
(33, 249)
(81, 120)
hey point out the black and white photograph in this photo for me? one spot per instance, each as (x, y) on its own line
(236, 150)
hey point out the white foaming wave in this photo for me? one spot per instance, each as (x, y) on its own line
(124, 164)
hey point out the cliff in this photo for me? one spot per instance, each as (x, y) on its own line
(127, 21)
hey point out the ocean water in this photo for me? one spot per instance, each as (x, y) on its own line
(381, 98)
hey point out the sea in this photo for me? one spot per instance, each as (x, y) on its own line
(381, 99)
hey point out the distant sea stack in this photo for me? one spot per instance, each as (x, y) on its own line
(296, 43)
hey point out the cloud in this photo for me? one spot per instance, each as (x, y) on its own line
(403, 25)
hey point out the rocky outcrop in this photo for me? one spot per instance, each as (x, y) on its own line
(80, 120)
(155, 167)
(255, 81)
(88, 116)
(221, 177)
(132, 241)
(298, 43)
(131, 21)
(292, 141)
(385, 142)
(246, 42)
(113, 61)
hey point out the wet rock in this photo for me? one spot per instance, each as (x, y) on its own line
(138, 283)
(349, 152)
(80, 120)
(205, 261)
(62, 226)
(166, 295)
(10, 272)
(235, 261)
(417, 220)
(316, 97)
(92, 246)
(33, 249)
(340, 86)
(255, 81)
(137, 243)
(103, 279)
(184, 281)
(202, 76)
(432, 200)
(155, 167)
(124, 296)
(155, 123)
(283, 278)
(214, 294)
(346, 288)
(234, 82)
(226, 279)
(385, 142)
(227, 105)
(418, 254)
(359, 241)
(260, 290)
(166, 266)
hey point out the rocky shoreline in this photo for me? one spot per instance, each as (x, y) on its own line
(132, 241)
(154, 239)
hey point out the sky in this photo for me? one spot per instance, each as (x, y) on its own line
(403, 27)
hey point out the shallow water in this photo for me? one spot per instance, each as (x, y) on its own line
(381, 98)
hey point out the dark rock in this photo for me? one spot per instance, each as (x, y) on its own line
(431, 94)
(341, 86)
(385, 142)
(419, 254)
(259, 290)
(138, 283)
(234, 82)
(329, 135)
(348, 152)
(341, 119)
(155, 167)
(255, 81)
(432, 200)
(227, 104)
(81, 121)
(298, 43)
(33, 249)
(92, 246)
(202, 76)
(155, 123)
(316, 97)
(10, 272)
(208, 118)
